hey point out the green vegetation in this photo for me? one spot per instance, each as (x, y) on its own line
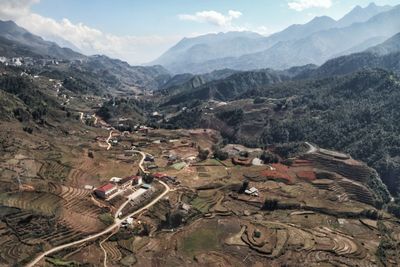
(268, 157)
(38, 103)
(203, 154)
(203, 239)
(357, 114)
(220, 155)
(123, 108)
(106, 218)
(204, 201)
(231, 117)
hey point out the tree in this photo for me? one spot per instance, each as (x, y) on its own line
(106, 218)
(148, 178)
(29, 130)
(258, 100)
(244, 187)
(268, 157)
(203, 154)
(270, 204)
(221, 155)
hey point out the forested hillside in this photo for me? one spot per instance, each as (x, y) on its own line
(357, 113)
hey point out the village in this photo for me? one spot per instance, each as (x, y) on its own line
(133, 193)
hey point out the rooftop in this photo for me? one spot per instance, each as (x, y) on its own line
(106, 187)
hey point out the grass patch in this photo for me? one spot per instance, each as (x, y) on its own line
(203, 239)
(106, 218)
(204, 201)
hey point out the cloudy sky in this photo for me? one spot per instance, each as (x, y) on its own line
(138, 31)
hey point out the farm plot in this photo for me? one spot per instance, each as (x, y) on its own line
(54, 171)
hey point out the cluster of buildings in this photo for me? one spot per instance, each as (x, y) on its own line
(27, 61)
(117, 185)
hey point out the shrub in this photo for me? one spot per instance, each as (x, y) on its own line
(269, 157)
(29, 130)
(221, 155)
(106, 218)
(203, 154)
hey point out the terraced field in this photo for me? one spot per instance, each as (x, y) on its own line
(113, 252)
(54, 171)
(53, 216)
(45, 203)
(205, 200)
(272, 239)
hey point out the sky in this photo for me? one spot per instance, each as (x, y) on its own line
(138, 31)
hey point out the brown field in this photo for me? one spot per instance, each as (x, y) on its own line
(203, 221)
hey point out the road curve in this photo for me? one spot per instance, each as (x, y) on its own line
(142, 168)
(116, 224)
(108, 140)
(312, 149)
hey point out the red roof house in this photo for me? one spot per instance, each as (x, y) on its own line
(105, 190)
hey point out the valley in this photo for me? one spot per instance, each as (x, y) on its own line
(237, 150)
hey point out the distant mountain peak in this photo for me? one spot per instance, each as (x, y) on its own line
(362, 14)
(319, 18)
(26, 43)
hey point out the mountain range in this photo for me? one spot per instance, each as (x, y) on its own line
(15, 41)
(385, 56)
(310, 43)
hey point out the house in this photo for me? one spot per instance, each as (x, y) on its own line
(89, 187)
(106, 190)
(125, 182)
(156, 114)
(115, 180)
(152, 167)
(159, 175)
(137, 180)
(252, 192)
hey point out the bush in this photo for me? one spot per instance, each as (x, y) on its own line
(244, 187)
(221, 155)
(231, 117)
(106, 218)
(203, 154)
(148, 178)
(394, 208)
(258, 100)
(270, 204)
(29, 130)
(269, 157)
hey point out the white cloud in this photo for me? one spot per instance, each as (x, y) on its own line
(134, 49)
(12, 9)
(263, 30)
(89, 40)
(300, 5)
(212, 17)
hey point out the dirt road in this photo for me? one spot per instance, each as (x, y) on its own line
(108, 140)
(109, 229)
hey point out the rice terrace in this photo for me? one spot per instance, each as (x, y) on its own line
(199, 133)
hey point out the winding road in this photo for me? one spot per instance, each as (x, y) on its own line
(312, 149)
(117, 221)
(108, 140)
